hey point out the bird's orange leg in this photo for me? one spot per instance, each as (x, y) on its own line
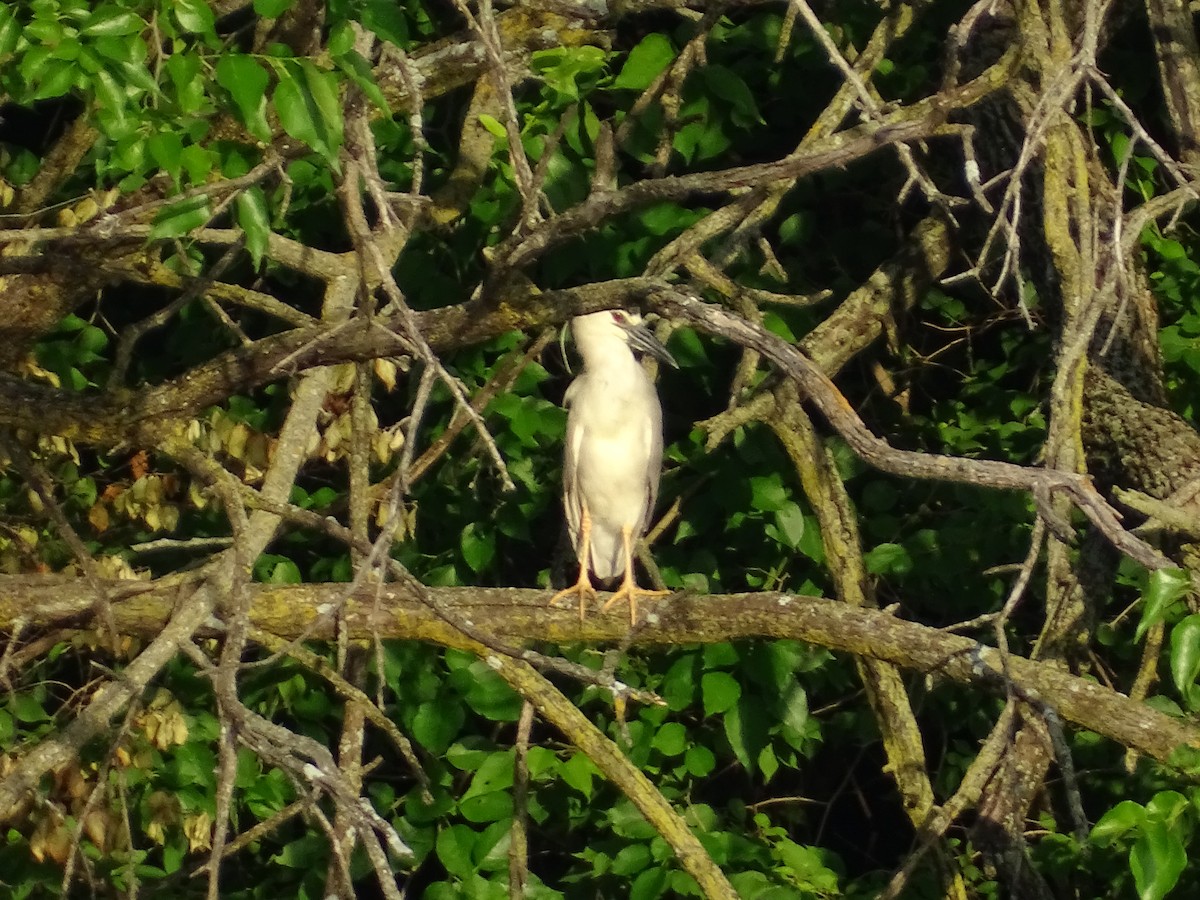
(583, 585)
(629, 589)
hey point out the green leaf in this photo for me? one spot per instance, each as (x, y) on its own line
(628, 822)
(491, 807)
(1185, 654)
(454, 845)
(756, 886)
(313, 119)
(46, 30)
(478, 547)
(789, 519)
(184, 72)
(436, 723)
(1165, 587)
(284, 572)
(1166, 806)
(166, 149)
(493, 125)
(292, 104)
(300, 853)
(91, 339)
(112, 103)
(111, 20)
(665, 218)
(631, 860)
(68, 48)
(578, 772)
(491, 848)
(323, 88)
(386, 19)
(10, 32)
(541, 760)
(730, 87)
(179, 218)
(490, 696)
(767, 493)
(652, 883)
(768, 763)
(119, 49)
(26, 708)
(795, 708)
(808, 867)
(1156, 859)
(195, 765)
(688, 349)
(359, 71)
(246, 81)
(720, 691)
(888, 559)
(249, 769)
(254, 221)
(55, 79)
(1123, 817)
(462, 757)
(197, 162)
(495, 774)
(272, 9)
(134, 74)
(699, 760)
(562, 67)
(341, 39)
(194, 16)
(746, 730)
(704, 135)
(720, 656)
(71, 323)
(645, 62)
(671, 739)
(1119, 141)
(679, 684)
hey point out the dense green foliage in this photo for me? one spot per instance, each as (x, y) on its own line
(767, 749)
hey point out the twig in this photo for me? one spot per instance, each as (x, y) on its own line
(518, 851)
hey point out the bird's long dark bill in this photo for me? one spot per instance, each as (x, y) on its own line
(642, 340)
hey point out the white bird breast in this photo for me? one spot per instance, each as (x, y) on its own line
(612, 430)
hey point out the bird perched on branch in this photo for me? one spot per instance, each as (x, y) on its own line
(613, 452)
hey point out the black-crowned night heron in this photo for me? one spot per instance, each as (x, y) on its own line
(613, 455)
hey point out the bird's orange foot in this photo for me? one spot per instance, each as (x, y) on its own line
(581, 588)
(631, 592)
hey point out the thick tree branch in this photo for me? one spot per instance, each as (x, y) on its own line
(521, 616)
